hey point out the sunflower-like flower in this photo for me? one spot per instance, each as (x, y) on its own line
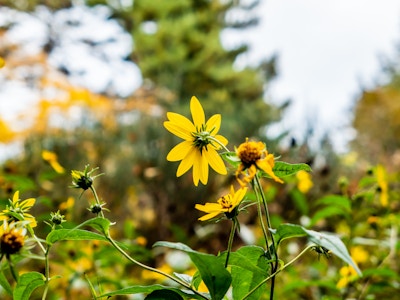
(200, 145)
(18, 211)
(227, 204)
(254, 156)
(12, 238)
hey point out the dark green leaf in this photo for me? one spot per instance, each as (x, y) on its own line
(163, 295)
(72, 234)
(27, 283)
(286, 231)
(216, 278)
(282, 169)
(100, 224)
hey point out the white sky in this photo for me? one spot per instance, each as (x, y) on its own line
(327, 51)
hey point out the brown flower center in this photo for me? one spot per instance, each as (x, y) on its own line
(250, 152)
(225, 202)
(11, 242)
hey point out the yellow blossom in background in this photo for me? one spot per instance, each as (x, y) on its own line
(359, 254)
(254, 156)
(226, 204)
(67, 204)
(383, 185)
(304, 182)
(347, 275)
(150, 275)
(2, 62)
(6, 134)
(51, 158)
(200, 145)
(17, 210)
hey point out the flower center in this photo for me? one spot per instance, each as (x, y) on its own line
(226, 202)
(11, 242)
(250, 152)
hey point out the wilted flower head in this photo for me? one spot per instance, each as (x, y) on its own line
(17, 211)
(254, 156)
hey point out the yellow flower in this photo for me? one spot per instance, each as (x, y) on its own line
(226, 204)
(382, 185)
(51, 158)
(358, 254)
(200, 145)
(17, 210)
(12, 239)
(304, 182)
(254, 156)
(2, 62)
(347, 275)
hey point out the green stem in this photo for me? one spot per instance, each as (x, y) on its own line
(277, 271)
(97, 199)
(183, 283)
(46, 273)
(230, 241)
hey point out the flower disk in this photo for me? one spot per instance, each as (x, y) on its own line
(200, 145)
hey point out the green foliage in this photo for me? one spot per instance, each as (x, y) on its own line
(27, 283)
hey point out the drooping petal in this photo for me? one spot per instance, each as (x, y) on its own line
(197, 111)
(213, 124)
(180, 151)
(264, 165)
(180, 126)
(215, 160)
(203, 168)
(186, 163)
(200, 169)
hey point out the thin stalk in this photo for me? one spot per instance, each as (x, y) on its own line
(97, 199)
(277, 271)
(183, 283)
(46, 273)
(219, 143)
(230, 241)
(259, 211)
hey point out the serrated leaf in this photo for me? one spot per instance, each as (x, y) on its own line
(282, 169)
(27, 283)
(217, 279)
(72, 234)
(249, 267)
(334, 244)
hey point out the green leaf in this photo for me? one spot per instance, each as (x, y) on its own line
(216, 278)
(249, 267)
(282, 169)
(336, 200)
(27, 283)
(5, 284)
(326, 213)
(334, 244)
(138, 289)
(72, 234)
(286, 231)
(163, 295)
(100, 224)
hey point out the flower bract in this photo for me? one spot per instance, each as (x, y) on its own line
(254, 156)
(200, 145)
(227, 204)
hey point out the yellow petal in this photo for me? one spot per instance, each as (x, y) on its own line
(266, 167)
(222, 139)
(186, 163)
(208, 207)
(57, 167)
(180, 151)
(215, 160)
(27, 203)
(213, 124)
(209, 216)
(197, 111)
(201, 168)
(15, 197)
(180, 126)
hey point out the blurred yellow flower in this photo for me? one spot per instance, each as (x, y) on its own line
(359, 254)
(51, 158)
(347, 275)
(153, 276)
(200, 145)
(304, 182)
(2, 62)
(383, 185)
(226, 204)
(254, 156)
(17, 210)
(7, 135)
